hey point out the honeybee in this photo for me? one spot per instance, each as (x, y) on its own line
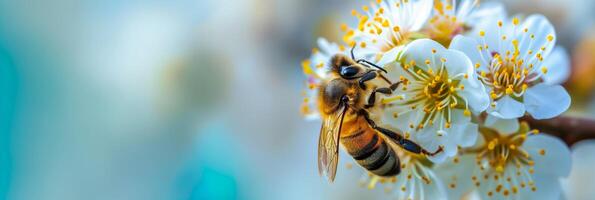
(344, 101)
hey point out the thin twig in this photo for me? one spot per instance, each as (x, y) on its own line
(569, 129)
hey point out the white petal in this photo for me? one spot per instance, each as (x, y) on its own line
(402, 121)
(546, 101)
(486, 10)
(541, 28)
(423, 10)
(458, 173)
(558, 65)
(457, 62)
(475, 94)
(468, 46)
(493, 33)
(468, 137)
(579, 184)
(504, 126)
(420, 50)
(556, 160)
(507, 108)
(389, 56)
(548, 188)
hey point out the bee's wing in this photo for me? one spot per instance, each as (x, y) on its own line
(328, 144)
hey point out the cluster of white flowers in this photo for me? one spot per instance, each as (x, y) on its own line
(469, 74)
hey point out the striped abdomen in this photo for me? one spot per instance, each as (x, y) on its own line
(369, 149)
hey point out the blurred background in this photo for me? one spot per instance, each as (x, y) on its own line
(193, 99)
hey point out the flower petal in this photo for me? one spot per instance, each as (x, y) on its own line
(579, 183)
(468, 46)
(457, 63)
(389, 56)
(458, 174)
(542, 29)
(504, 126)
(555, 160)
(507, 108)
(547, 188)
(546, 101)
(423, 10)
(475, 94)
(558, 65)
(487, 10)
(420, 50)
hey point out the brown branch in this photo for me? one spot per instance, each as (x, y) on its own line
(569, 129)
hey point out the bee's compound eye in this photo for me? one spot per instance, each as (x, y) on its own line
(349, 71)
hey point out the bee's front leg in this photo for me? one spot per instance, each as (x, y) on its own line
(386, 90)
(367, 77)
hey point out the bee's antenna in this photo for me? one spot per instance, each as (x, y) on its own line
(372, 64)
(352, 48)
(365, 61)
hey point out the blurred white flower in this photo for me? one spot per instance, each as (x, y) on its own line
(385, 25)
(509, 165)
(514, 62)
(417, 179)
(579, 185)
(316, 68)
(439, 92)
(451, 18)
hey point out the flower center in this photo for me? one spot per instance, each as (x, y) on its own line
(504, 165)
(503, 150)
(509, 71)
(444, 27)
(434, 92)
(378, 27)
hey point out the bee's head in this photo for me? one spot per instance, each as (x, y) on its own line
(335, 94)
(346, 68)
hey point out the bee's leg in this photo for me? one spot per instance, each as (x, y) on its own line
(386, 90)
(366, 77)
(372, 98)
(398, 139)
